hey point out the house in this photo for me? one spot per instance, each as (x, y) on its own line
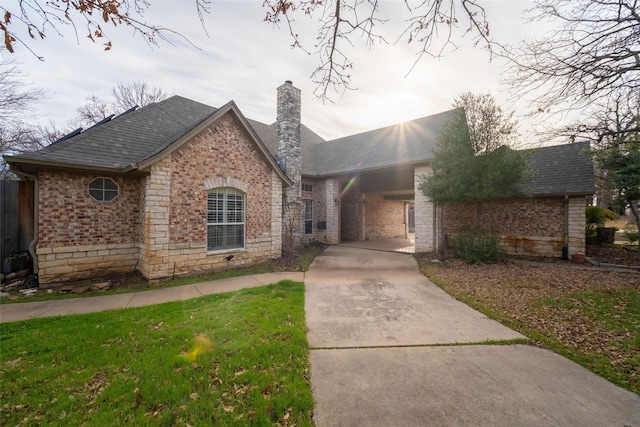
(179, 187)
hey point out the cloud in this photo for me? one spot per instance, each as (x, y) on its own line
(244, 59)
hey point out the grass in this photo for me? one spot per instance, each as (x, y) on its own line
(136, 283)
(238, 358)
(591, 317)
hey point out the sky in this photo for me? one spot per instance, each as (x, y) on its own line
(242, 58)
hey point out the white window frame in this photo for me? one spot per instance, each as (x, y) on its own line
(307, 188)
(224, 218)
(100, 192)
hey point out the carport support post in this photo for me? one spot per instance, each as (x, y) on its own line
(424, 214)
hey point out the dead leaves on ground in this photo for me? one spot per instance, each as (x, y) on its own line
(594, 314)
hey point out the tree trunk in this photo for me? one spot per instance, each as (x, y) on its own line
(634, 211)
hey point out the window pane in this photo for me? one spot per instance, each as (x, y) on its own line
(110, 185)
(234, 236)
(214, 237)
(215, 207)
(110, 194)
(96, 194)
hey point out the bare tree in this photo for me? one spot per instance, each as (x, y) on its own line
(433, 26)
(29, 19)
(17, 100)
(344, 21)
(93, 111)
(591, 59)
(125, 96)
(136, 94)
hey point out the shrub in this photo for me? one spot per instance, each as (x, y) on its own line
(596, 217)
(632, 234)
(477, 246)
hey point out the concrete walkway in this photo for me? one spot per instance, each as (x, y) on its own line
(389, 348)
(407, 246)
(29, 310)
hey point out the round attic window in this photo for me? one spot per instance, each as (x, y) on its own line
(103, 189)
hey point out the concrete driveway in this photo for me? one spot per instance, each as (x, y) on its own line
(389, 348)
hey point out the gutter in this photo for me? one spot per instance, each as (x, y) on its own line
(36, 215)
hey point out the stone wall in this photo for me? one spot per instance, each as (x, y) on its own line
(425, 217)
(79, 236)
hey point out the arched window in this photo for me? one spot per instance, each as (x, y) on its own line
(225, 219)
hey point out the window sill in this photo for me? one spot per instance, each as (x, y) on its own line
(226, 251)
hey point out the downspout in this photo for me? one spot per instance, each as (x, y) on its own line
(36, 215)
(565, 246)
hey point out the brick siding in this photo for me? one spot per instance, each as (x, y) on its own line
(384, 219)
(525, 227)
(79, 236)
(157, 224)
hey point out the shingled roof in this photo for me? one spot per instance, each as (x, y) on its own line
(400, 144)
(136, 138)
(125, 140)
(561, 170)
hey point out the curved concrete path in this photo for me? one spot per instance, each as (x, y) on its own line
(389, 348)
(52, 308)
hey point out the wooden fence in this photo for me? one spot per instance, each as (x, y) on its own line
(16, 218)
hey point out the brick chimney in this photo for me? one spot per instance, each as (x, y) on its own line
(288, 151)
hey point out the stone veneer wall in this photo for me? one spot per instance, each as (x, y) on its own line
(79, 236)
(289, 153)
(221, 156)
(424, 214)
(526, 227)
(332, 201)
(385, 219)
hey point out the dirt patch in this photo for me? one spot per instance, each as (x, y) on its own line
(614, 254)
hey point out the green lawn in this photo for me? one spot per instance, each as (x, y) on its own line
(238, 358)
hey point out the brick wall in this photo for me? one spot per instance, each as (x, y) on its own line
(351, 227)
(384, 219)
(79, 236)
(157, 224)
(221, 156)
(526, 227)
(325, 209)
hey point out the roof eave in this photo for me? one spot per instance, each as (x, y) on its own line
(20, 163)
(423, 162)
